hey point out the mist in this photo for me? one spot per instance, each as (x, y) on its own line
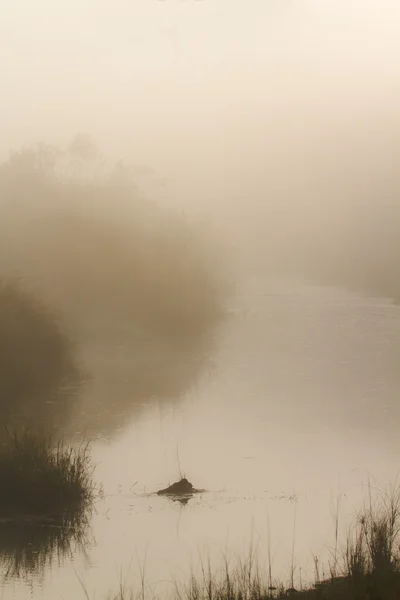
(276, 120)
(98, 275)
(272, 127)
(199, 274)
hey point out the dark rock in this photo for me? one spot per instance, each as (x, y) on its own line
(180, 488)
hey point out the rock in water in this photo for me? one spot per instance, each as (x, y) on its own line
(179, 488)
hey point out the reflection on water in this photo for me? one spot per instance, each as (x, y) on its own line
(27, 548)
(122, 380)
(301, 408)
(128, 379)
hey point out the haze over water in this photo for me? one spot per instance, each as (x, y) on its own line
(300, 413)
(276, 124)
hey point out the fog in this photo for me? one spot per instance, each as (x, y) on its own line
(97, 274)
(278, 119)
(273, 122)
(200, 262)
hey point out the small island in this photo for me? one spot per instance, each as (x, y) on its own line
(179, 488)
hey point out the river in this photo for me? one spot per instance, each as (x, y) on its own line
(299, 409)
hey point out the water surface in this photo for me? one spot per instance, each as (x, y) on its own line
(300, 407)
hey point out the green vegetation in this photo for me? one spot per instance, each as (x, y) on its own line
(40, 479)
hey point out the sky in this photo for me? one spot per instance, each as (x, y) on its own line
(222, 98)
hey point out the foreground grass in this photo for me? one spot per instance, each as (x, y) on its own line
(367, 569)
(39, 478)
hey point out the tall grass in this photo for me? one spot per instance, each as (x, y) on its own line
(366, 568)
(39, 478)
(372, 556)
(244, 581)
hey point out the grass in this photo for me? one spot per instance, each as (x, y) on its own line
(367, 567)
(244, 580)
(47, 488)
(372, 555)
(40, 478)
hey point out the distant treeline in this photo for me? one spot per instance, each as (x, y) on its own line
(117, 269)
